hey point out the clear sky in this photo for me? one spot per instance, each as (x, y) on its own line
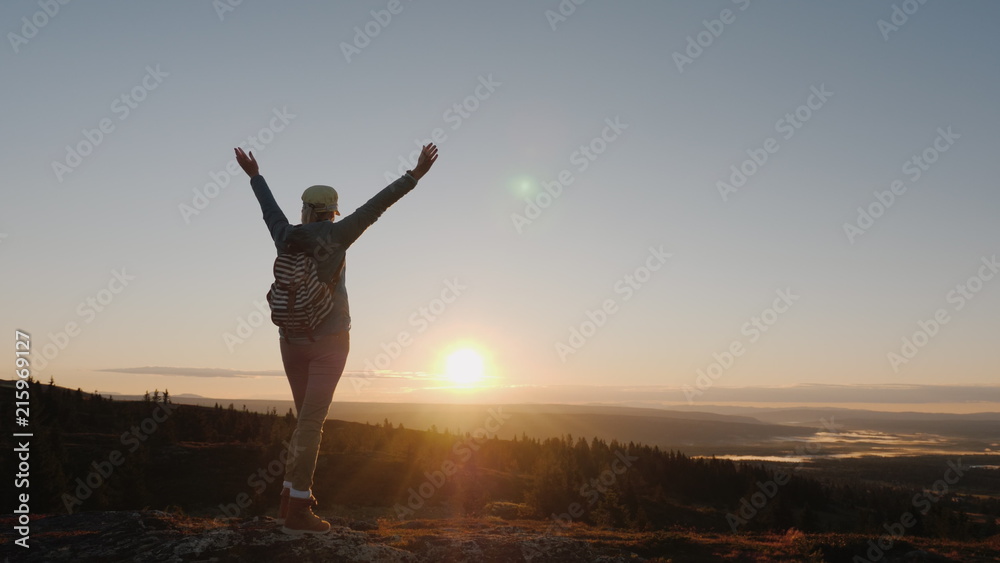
(679, 182)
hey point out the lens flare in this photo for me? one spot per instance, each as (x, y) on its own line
(523, 186)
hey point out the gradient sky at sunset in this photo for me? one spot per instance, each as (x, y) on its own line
(615, 107)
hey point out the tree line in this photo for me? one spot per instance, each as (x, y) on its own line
(198, 459)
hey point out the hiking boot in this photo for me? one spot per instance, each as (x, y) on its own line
(283, 506)
(300, 518)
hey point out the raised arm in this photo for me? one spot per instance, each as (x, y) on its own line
(354, 224)
(277, 223)
(351, 226)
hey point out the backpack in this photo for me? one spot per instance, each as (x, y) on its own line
(299, 300)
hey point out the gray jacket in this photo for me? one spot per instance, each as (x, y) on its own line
(328, 242)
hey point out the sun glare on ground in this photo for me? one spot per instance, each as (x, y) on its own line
(464, 367)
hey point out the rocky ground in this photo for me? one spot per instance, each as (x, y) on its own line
(149, 536)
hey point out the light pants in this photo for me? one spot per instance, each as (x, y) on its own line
(313, 371)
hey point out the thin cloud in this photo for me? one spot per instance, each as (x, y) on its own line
(874, 393)
(805, 394)
(799, 393)
(222, 372)
(386, 374)
(193, 372)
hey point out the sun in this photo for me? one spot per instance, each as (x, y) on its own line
(464, 367)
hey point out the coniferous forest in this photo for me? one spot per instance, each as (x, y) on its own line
(94, 453)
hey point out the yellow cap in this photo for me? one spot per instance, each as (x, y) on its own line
(321, 198)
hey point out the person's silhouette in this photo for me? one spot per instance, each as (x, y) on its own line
(314, 362)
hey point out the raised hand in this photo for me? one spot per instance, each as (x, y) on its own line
(427, 157)
(247, 163)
